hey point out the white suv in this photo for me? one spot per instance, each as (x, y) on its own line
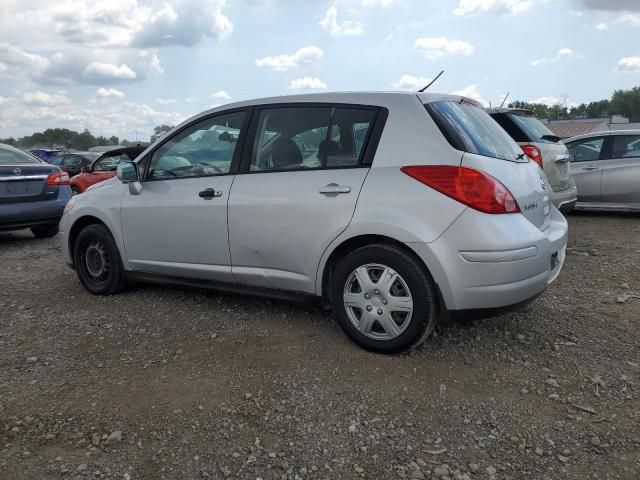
(393, 208)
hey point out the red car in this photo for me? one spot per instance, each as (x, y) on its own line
(103, 168)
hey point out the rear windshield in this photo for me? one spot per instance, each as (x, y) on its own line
(14, 156)
(470, 129)
(534, 128)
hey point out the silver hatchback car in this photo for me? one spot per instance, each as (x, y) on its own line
(393, 209)
(606, 167)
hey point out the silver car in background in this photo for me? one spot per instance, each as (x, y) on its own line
(543, 147)
(393, 209)
(606, 168)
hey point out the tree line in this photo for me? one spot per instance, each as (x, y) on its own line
(622, 102)
(63, 137)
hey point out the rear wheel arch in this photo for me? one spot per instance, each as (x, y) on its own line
(356, 242)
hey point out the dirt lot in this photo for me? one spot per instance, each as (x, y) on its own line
(173, 383)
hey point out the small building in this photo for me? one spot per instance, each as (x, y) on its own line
(571, 128)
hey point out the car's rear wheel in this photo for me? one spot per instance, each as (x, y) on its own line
(44, 231)
(384, 299)
(97, 261)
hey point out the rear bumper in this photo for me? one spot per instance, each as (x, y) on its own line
(15, 216)
(567, 198)
(494, 261)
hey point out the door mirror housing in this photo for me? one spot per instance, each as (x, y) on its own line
(127, 172)
(85, 169)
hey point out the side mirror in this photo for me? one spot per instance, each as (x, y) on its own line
(127, 172)
(85, 169)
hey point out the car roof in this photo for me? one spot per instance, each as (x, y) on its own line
(604, 133)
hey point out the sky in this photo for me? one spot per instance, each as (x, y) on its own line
(121, 67)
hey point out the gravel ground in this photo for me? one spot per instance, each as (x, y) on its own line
(175, 383)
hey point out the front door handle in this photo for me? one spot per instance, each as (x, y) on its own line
(209, 193)
(590, 168)
(334, 189)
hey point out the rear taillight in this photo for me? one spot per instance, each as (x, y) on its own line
(474, 188)
(58, 178)
(533, 153)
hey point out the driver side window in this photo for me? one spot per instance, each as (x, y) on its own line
(203, 149)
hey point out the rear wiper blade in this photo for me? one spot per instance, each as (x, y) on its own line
(520, 157)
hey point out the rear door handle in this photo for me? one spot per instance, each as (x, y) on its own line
(334, 189)
(209, 193)
(590, 168)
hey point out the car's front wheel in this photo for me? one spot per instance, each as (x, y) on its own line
(44, 231)
(97, 261)
(384, 299)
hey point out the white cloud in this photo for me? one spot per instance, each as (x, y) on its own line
(109, 93)
(409, 82)
(281, 63)
(602, 26)
(561, 55)
(138, 23)
(165, 102)
(438, 47)
(629, 18)
(97, 72)
(612, 5)
(15, 60)
(3, 99)
(471, 7)
(307, 83)
(344, 29)
(629, 64)
(471, 92)
(221, 95)
(190, 99)
(44, 99)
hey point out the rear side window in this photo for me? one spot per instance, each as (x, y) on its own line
(534, 128)
(15, 156)
(626, 146)
(304, 138)
(510, 127)
(470, 129)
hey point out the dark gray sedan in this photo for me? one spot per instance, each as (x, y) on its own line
(33, 194)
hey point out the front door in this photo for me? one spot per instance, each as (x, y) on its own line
(586, 167)
(621, 172)
(297, 192)
(177, 224)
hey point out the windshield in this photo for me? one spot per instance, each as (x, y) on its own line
(15, 156)
(534, 128)
(91, 156)
(470, 129)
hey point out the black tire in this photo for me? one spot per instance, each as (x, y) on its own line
(424, 317)
(107, 277)
(44, 231)
(75, 190)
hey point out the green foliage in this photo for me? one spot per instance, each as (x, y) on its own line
(63, 137)
(159, 131)
(623, 102)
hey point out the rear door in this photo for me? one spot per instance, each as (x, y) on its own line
(621, 170)
(297, 190)
(586, 167)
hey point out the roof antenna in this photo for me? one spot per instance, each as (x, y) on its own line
(431, 82)
(505, 99)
